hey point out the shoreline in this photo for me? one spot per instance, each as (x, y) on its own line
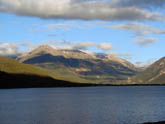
(11, 81)
(78, 86)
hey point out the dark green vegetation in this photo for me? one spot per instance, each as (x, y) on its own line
(17, 75)
(154, 74)
(77, 66)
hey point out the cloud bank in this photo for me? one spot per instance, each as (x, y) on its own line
(8, 49)
(122, 10)
(145, 41)
(138, 28)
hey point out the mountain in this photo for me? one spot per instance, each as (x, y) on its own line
(55, 68)
(45, 49)
(154, 74)
(17, 75)
(75, 64)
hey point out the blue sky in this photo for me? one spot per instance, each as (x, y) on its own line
(127, 29)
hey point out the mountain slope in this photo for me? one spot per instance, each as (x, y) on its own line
(9, 65)
(154, 74)
(17, 75)
(82, 65)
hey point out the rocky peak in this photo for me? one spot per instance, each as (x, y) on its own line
(46, 49)
(163, 59)
(43, 48)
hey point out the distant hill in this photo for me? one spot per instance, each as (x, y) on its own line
(75, 64)
(17, 75)
(154, 74)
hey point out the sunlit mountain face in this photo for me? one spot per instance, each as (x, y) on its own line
(154, 74)
(80, 64)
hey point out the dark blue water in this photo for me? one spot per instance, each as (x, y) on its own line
(88, 105)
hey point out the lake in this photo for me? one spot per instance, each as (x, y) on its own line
(86, 105)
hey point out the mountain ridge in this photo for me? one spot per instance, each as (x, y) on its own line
(154, 74)
(80, 64)
(11, 70)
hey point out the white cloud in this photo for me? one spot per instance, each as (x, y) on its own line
(29, 46)
(141, 31)
(105, 46)
(79, 9)
(121, 55)
(83, 45)
(86, 45)
(138, 28)
(141, 41)
(8, 49)
(62, 47)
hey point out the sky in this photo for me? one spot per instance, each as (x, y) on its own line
(130, 29)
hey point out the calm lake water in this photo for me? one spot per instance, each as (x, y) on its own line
(87, 105)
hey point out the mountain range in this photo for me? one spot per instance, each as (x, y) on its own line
(47, 66)
(83, 67)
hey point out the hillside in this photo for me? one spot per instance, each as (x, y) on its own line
(9, 65)
(77, 64)
(14, 75)
(154, 74)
